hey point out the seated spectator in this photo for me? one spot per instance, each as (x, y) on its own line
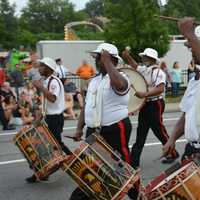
(29, 90)
(69, 102)
(70, 88)
(9, 105)
(25, 109)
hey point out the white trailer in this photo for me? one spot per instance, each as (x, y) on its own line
(71, 52)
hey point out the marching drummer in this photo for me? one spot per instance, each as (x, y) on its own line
(189, 123)
(106, 106)
(150, 116)
(54, 103)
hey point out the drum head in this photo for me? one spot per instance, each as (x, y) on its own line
(139, 84)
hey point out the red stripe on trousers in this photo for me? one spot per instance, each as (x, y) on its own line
(164, 133)
(125, 151)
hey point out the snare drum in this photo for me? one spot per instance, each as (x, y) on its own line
(42, 152)
(138, 83)
(182, 181)
(99, 172)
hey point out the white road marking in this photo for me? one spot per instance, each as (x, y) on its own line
(146, 145)
(12, 161)
(74, 127)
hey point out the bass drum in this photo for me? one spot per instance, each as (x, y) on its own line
(139, 84)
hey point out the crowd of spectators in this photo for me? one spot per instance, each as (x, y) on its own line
(21, 103)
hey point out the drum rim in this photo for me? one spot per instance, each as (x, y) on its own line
(159, 179)
(145, 99)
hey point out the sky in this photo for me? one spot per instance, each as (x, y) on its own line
(79, 4)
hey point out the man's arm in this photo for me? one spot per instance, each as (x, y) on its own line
(47, 94)
(126, 55)
(177, 133)
(118, 82)
(187, 28)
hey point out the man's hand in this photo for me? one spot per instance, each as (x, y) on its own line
(125, 54)
(187, 26)
(105, 57)
(168, 147)
(78, 135)
(141, 95)
(38, 84)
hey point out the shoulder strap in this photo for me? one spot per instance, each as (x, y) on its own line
(52, 78)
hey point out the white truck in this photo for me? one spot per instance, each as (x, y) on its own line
(71, 52)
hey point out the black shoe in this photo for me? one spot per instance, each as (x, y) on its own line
(9, 128)
(46, 178)
(169, 159)
(32, 179)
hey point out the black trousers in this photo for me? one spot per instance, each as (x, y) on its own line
(117, 136)
(55, 124)
(2, 117)
(189, 150)
(150, 116)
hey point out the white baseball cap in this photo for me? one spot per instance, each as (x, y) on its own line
(110, 48)
(49, 62)
(152, 53)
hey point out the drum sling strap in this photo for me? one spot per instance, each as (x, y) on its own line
(48, 86)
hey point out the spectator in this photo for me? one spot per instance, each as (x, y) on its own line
(163, 66)
(9, 105)
(2, 76)
(30, 91)
(69, 102)
(16, 79)
(25, 109)
(61, 71)
(70, 88)
(85, 72)
(33, 73)
(191, 70)
(176, 79)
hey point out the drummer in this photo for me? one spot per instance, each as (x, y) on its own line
(54, 103)
(189, 123)
(150, 116)
(106, 106)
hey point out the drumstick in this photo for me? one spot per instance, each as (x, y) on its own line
(133, 87)
(173, 19)
(71, 137)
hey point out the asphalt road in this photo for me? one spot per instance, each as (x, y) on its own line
(14, 170)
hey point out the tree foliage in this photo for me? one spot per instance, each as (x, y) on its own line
(8, 24)
(47, 15)
(181, 8)
(133, 24)
(95, 8)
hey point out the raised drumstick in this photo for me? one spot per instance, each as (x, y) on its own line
(173, 19)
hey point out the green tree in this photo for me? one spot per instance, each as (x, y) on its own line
(181, 8)
(133, 24)
(47, 16)
(8, 24)
(95, 8)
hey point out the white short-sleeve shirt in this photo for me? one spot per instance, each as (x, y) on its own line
(187, 105)
(154, 76)
(55, 86)
(114, 106)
